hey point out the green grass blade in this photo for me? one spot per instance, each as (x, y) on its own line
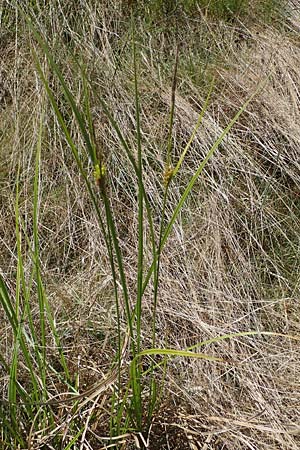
(241, 334)
(138, 308)
(205, 161)
(8, 306)
(197, 126)
(220, 339)
(115, 240)
(74, 439)
(169, 141)
(36, 200)
(136, 385)
(174, 353)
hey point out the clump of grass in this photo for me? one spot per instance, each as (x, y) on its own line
(138, 375)
(131, 408)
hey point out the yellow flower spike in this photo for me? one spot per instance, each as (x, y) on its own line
(99, 172)
(168, 174)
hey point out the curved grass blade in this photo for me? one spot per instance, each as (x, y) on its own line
(197, 126)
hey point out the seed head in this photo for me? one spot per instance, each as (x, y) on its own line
(168, 174)
(99, 173)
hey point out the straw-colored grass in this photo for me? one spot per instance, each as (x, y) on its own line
(230, 265)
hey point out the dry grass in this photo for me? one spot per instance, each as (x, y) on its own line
(232, 263)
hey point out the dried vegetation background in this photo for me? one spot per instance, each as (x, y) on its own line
(232, 263)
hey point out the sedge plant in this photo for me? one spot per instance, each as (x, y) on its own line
(138, 415)
(136, 397)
